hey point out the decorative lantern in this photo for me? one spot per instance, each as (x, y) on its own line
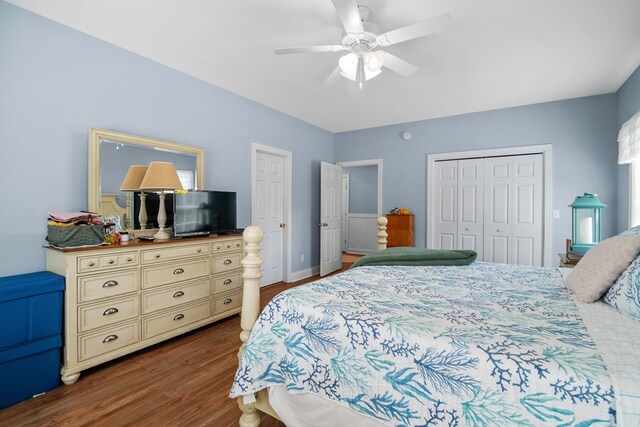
(586, 222)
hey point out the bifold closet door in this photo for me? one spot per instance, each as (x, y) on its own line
(497, 209)
(513, 209)
(471, 205)
(445, 204)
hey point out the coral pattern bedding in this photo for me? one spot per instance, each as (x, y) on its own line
(482, 345)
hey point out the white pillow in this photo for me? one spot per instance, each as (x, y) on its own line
(601, 265)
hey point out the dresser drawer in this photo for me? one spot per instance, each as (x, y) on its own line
(174, 272)
(175, 295)
(95, 263)
(227, 283)
(94, 316)
(227, 245)
(166, 254)
(223, 304)
(106, 285)
(226, 263)
(92, 345)
(177, 318)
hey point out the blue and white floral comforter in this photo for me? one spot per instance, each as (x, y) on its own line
(485, 344)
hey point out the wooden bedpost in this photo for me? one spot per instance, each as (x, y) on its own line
(382, 233)
(250, 308)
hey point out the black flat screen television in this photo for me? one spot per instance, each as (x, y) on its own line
(204, 212)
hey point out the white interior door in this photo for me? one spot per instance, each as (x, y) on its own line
(330, 218)
(497, 209)
(471, 205)
(270, 214)
(445, 219)
(526, 228)
(345, 212)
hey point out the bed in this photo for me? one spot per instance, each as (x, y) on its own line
(484, 344)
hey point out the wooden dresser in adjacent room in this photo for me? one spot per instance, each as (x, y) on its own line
(400, 230)
(125, 297)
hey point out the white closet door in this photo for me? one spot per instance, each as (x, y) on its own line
(498, 177)
(444, 210)
(526, 226)
(470, 205)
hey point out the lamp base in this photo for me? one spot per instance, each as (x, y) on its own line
(581, 248)
(161, 235)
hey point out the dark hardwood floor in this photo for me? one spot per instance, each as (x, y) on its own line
(182, 381)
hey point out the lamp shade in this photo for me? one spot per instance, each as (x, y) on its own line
(134, 177)
(161, 176)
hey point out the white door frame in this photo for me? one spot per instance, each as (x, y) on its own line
(288, 230)
(371, 162)
(544, 149)
(345, 211)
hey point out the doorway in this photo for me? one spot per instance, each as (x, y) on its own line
(271, 170)
(361, 206)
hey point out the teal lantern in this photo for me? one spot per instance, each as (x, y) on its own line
(586, 222)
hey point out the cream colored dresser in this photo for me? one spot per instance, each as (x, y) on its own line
(122, 298)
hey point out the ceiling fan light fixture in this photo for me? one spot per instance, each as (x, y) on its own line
(374, 60)
(349, 67)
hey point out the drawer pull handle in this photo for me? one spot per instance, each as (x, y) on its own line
(111, 261)
(91, 264)
(109, 339)
(178, 317)
(227, 282)
(110, 284)
(218, 247)
(129, 259)
(110, 311)
(178, 294)
(227, 262)
(178, 271)
(228, 245)
(227, 301)
(237, 244)
(199, 250)
(157, 256)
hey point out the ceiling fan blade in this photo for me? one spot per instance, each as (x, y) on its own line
(414, 31)
(333, 77)
(398, 65)
(309, 49)
(349, 15)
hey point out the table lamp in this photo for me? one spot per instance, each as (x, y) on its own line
(131, 183)
(161, 176)
(585, 222)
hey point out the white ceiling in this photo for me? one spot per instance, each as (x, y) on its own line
(497, 54)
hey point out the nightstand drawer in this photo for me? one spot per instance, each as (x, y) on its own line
(174, 272)
(227, 283)
(175, 295)
(177, 318)
(106, 285)
(158, 255)
(95, 263)
(227, 245)
(223, 304)
(226, 263)
(94, 316)
(93, 345)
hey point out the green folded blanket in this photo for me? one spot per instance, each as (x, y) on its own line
(417, 256)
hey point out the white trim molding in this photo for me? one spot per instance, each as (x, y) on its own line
(288, 191)
(371, 162)
(305, 274)
(544, 149)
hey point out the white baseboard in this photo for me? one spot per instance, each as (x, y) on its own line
(357, 251)
(304, 274)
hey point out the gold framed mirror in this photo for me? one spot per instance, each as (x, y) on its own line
(110, 155)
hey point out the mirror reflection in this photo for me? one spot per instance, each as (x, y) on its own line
(111, 155)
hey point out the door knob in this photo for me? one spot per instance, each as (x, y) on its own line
(325, 224)
(498, 230)
(282, 225)
(466, 229)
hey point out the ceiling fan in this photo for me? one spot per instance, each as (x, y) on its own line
(362, 37)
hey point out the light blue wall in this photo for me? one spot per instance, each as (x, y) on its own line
(628, 104)
(363, 189)
(56, 83)
(582, 132)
